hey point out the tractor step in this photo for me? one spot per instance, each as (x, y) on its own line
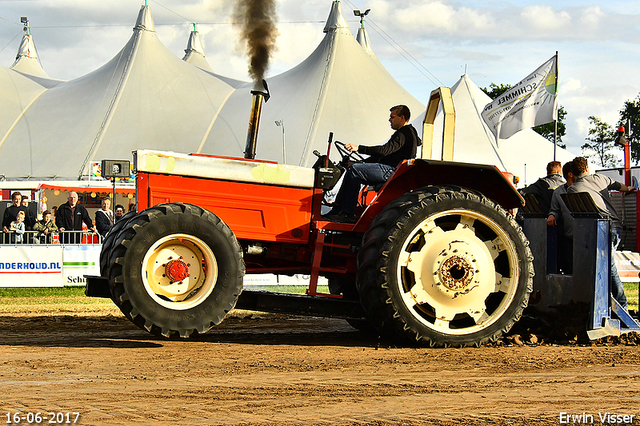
(97, 287)
(299, 304)
(265, 301)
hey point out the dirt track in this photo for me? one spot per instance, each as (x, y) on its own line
(277, 370)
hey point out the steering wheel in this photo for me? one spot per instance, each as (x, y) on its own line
(348, 156)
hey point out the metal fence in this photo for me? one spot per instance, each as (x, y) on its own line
(38, 238)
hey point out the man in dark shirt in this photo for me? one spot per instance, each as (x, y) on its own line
(30, 218)
(598, 186)
(543, 188)
(11, 212)
(70, 217)
(381, 164)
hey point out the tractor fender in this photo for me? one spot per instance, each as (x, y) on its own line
(413, 174)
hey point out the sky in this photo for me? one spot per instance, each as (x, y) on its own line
(422, 43)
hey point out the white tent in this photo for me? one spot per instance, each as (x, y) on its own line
(17, 92)
(194, 54)
(145, 97)
(525, 154)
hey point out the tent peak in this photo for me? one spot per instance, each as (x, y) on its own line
(363, 39)
(194, 45)
(27, 61)
(335, 19)
(27, 48)
(145, 20)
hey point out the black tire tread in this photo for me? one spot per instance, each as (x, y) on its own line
(374, 291)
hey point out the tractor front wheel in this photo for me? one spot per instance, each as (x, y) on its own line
(175, 269)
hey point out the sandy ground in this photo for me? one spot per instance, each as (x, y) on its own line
(278, 370)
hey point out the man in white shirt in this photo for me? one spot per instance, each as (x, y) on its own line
(104, 217)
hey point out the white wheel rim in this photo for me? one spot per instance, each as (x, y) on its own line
(447, 273)
(195, 267)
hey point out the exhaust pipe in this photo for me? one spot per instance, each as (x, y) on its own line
(259, 94)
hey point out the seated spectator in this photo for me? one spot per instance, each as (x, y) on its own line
(18, 227)
(598, 186)
(45, 227)
(543, 188)
(560, 216)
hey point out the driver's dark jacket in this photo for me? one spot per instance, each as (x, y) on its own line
(402, 145)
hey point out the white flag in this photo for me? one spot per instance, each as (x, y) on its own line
(530, 103)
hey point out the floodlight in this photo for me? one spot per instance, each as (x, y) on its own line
(115, 169)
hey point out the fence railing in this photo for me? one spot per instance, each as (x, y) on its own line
(39, 238)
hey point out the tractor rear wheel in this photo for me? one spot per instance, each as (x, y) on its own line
(175, 269)
(444, 266)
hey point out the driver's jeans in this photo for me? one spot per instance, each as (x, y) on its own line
(360, 174)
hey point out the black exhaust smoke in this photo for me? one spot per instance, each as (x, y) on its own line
(256, 20)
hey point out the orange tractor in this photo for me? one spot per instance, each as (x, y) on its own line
(434, 258)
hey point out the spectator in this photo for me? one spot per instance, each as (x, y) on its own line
(598, 186)
(17, 226)
(119, 212)
(104, 217)
(11, 212)
(71, 215)
(560, 216)
(543, 188)
(30, 218)
(45, 227)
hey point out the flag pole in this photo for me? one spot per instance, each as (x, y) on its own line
(555, 121)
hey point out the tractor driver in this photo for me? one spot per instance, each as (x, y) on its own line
(381, 164)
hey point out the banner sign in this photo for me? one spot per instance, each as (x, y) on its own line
(31, 266)
(628, 265)
(52, 265)
(78, 261)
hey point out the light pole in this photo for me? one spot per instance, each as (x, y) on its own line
(280, 123)
(361, 15)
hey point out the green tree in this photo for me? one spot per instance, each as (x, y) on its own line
(546, 130)
(494, 90)
(600, 143)
(631, 113)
